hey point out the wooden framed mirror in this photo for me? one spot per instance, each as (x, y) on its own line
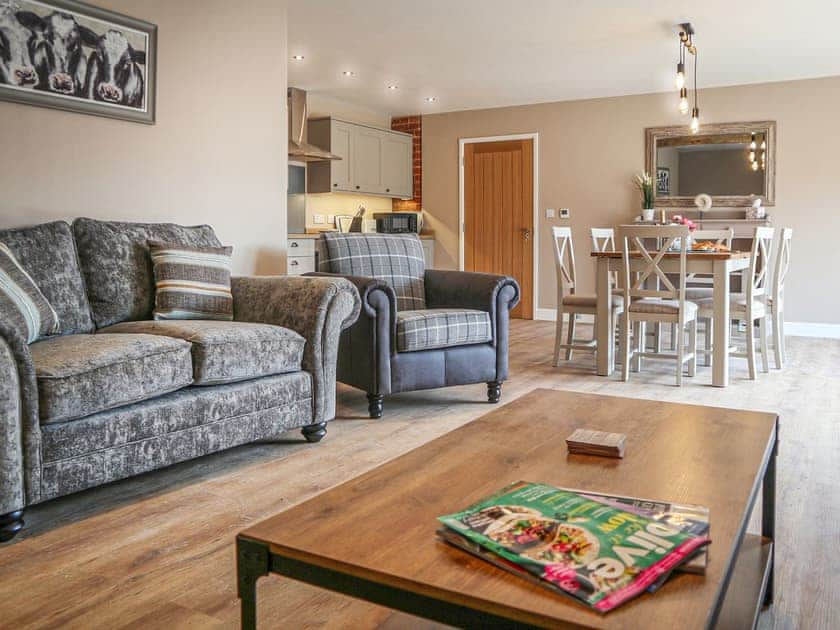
(718, 160)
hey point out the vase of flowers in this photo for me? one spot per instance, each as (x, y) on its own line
(644, 182)
(691, 225)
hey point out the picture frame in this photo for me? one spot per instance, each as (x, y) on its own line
(85, 59)
(663, 180)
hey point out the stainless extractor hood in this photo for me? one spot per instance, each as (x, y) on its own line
(299, 148)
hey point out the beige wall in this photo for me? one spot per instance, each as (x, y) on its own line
(589, 151)
(217, 154)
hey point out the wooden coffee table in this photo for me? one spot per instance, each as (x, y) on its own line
(374, 537)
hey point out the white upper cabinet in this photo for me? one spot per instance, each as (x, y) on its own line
(374, 161)
(397, 163)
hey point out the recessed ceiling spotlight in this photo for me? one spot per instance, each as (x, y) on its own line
(431, 99)
(297, 57)
(349, 73)
(393, 87)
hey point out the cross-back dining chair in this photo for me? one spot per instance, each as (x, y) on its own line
(751, 306)
(570, 302)
(603, 239)
(660, 302)
(776, 300)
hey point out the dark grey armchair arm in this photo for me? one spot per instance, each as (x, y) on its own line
(20, 430)
(463, 289)
(316, 308)
(368, 345)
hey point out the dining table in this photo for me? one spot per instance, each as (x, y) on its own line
(717, 265)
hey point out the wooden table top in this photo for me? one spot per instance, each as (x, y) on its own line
(381, 525)
(703, 255)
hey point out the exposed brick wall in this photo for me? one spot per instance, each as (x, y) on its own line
(414, 126)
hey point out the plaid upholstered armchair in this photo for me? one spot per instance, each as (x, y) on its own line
(419, 328)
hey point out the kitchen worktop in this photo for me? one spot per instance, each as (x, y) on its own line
(425, 237)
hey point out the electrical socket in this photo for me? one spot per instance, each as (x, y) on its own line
(550, 213)
(565, 213)
(318, 219)
(331, 219)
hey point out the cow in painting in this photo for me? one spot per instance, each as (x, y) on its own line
(56, 50)
(16, 66)
(114, 74)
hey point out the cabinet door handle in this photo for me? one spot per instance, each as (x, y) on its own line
(293, 244)
(294, 263)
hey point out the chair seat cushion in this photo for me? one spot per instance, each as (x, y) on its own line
(737, 304)
(442, 328)
(655, 306)
(79, 375)
(590, 300)
(225, 352)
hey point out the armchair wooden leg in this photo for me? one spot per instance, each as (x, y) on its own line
(314, 432)
(494, 391)
(10, 525)
(376, 403)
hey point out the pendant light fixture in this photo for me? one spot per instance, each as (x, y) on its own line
(687, 44)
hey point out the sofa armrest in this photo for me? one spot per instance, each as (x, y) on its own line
(316, 308)
(20, 430)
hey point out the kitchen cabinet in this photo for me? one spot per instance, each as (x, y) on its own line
(374, 161)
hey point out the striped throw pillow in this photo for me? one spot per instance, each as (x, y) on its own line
(191, 282)
(21, 302)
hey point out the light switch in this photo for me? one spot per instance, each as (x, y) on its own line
(565, 213)
(549, 213)
(317, 219)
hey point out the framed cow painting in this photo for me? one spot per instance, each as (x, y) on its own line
(71, 55)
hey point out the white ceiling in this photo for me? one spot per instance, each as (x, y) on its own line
(490, 53)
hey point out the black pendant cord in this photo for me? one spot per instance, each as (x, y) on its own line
(696, 55)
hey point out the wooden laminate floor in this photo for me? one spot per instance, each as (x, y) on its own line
(157, 550)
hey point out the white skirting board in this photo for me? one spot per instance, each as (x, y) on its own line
(792, 329)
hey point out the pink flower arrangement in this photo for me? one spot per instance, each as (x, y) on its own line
(681, 220)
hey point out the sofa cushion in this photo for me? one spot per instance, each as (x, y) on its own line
(79, 375)
(442, 328)
(118, 269)
(21, 302)
(48, 254)
(192, 282)
(224, 352)
(395, 258)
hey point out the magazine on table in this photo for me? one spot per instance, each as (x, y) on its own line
(574, 543)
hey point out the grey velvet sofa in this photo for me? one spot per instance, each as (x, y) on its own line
(115, 394)
(419, 328)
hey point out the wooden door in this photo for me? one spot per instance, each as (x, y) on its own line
(366, 148)
(499, 213)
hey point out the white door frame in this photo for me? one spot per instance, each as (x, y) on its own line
(462, 142)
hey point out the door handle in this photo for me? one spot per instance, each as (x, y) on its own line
(526, 234)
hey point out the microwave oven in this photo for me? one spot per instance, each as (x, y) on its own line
(397, 222)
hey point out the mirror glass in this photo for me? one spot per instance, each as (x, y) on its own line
(718, 165)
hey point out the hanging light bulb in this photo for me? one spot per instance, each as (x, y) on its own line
(695, 120)
(752, 143)
(763, 145)
(755, 166)
(752, 156)
(680, 82)
(683, 101)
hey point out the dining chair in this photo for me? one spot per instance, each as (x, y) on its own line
(700, 285)
(751, 306)
(603, 239)
(663, 303)
(776, 299)
(570, 302)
